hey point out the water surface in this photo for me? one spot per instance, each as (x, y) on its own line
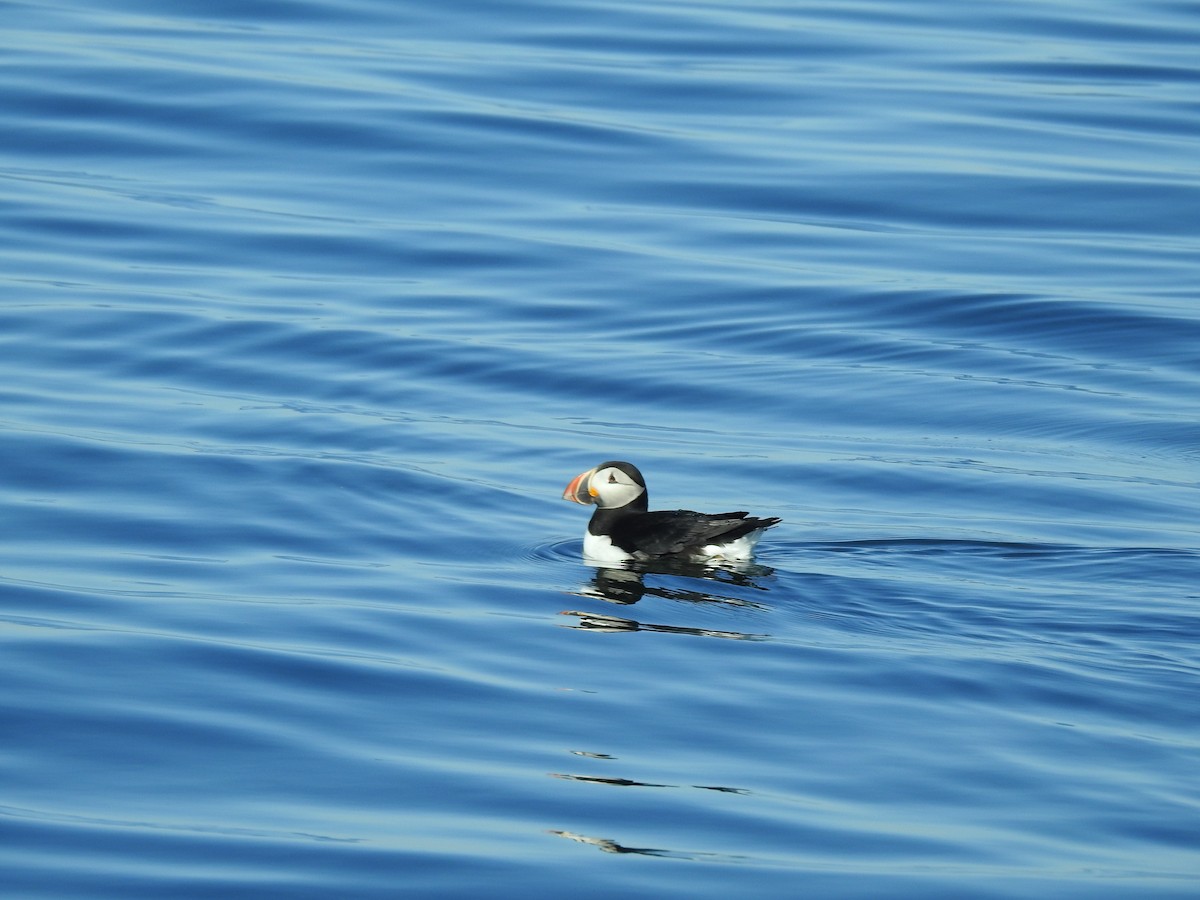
(309, 311)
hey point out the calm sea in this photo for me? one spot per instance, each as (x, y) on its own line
(310, 310)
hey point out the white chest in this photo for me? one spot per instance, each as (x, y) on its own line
(600, 548)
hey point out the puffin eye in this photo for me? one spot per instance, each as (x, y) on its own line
(612, 479)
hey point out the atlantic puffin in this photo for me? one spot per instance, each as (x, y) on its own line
(622, 528)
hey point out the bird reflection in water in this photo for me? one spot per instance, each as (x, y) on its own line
(627, 585)
(608, 845)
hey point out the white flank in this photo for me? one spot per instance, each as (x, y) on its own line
(740, 550)
(600, 548)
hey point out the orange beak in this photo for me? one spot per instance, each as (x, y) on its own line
(578, 490)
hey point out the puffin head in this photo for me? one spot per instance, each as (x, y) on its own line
(609, 485)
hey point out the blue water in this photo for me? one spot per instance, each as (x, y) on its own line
(310, 310)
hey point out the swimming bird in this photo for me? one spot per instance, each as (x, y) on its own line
(622, 528)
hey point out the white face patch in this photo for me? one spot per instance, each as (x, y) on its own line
(613, 488)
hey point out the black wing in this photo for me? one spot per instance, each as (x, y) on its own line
(665, 533)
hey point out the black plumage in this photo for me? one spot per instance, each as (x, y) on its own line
(672, 533)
